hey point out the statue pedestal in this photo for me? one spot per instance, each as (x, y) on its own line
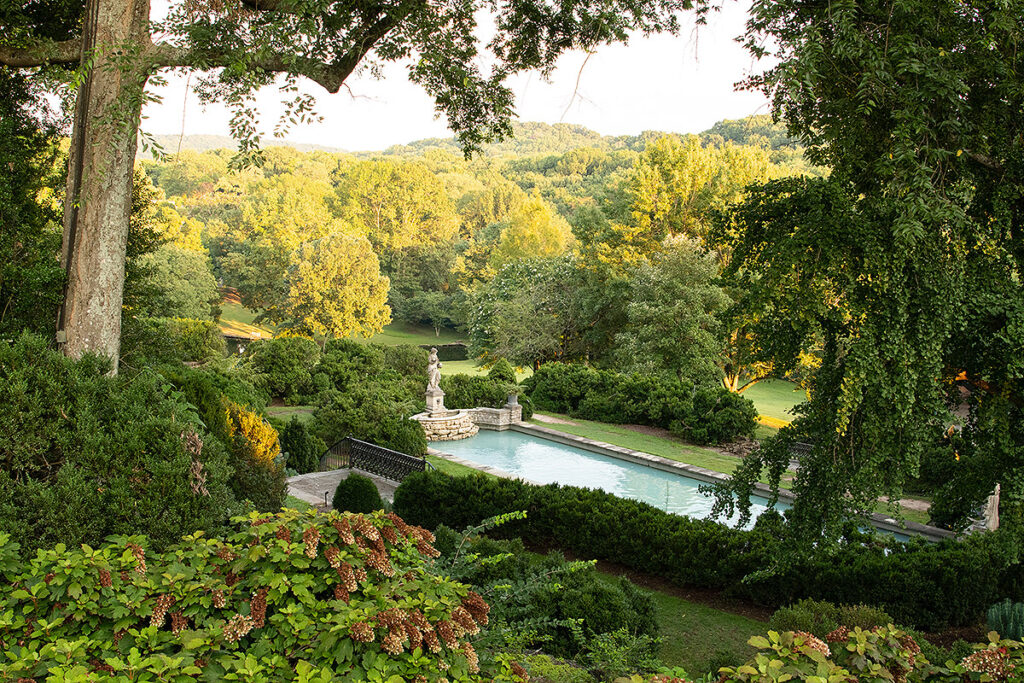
(435, 401)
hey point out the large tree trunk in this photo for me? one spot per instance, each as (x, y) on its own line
(98, 205)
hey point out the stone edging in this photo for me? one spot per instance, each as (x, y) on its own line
(480, 468)
(880, 521)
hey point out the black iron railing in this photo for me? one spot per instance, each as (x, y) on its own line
(372, 458)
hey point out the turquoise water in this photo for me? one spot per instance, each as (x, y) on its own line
(548, 462)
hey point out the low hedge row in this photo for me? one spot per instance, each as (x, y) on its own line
(700, 414)
(468, 391)
(926, 585)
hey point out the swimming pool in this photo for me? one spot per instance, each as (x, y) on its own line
(548, 462)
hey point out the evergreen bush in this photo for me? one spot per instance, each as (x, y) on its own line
(356, 493)
(820, 617)
(1007, 619)
(302, 448)
(502, 371)
(255, 451)
(700, 414)
(283, 366)
(925, 585)
(86, 455)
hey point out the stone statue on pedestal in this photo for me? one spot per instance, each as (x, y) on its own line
(433, 370)
(434, 395)
(992, 510)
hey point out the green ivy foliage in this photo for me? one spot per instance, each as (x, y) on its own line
(294, 596)
(922, 584)
(701, 414)
(85, 455)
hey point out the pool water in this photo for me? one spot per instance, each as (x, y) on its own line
(549, 462)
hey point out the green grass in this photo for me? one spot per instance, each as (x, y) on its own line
(293, 502)
(304, 413)
(396, 334)
(697, 637)
(452, 468)
(237, 320)
(774, 397)
(471, 367)
(672, 449)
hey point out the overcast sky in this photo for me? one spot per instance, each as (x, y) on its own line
(679, 84)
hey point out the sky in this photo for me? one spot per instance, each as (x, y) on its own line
(681, 84)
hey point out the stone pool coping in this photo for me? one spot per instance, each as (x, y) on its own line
(880, 521)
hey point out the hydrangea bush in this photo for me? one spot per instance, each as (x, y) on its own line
(881, 654)
(294, 596)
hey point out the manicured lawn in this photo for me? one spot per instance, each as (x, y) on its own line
(404, 333)
(699, 638)
(304, 413)
(673, 449)
(470, 367)
(775, 397)
(452, 468)
(237, 320)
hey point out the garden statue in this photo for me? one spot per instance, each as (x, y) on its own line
(434, 395)
(992, 510)
(433, 370)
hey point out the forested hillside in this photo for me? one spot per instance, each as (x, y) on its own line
(557, 244)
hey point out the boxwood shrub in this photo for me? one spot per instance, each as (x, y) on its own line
(700, 414)
(925, 585)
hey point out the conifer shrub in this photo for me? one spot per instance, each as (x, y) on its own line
(288, 597)
(85, 455)
(370, 411)
(502, 371)
(301, 447)
(469, 391)
(255, 451)
(356, 493)
(1007, 619)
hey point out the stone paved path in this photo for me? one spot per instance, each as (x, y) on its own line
(312, 487)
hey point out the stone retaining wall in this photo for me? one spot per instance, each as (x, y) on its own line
(498, 419)
(458, 425)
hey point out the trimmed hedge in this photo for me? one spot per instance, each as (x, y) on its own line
(467, 391)
(165, 339)
(699, 414)
(926, 585)
(453, 351)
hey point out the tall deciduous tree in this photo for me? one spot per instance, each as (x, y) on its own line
(903, 269)
(335, 288)
(245, 44)
(674, 315)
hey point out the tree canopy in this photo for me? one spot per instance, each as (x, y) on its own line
(900, 272)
